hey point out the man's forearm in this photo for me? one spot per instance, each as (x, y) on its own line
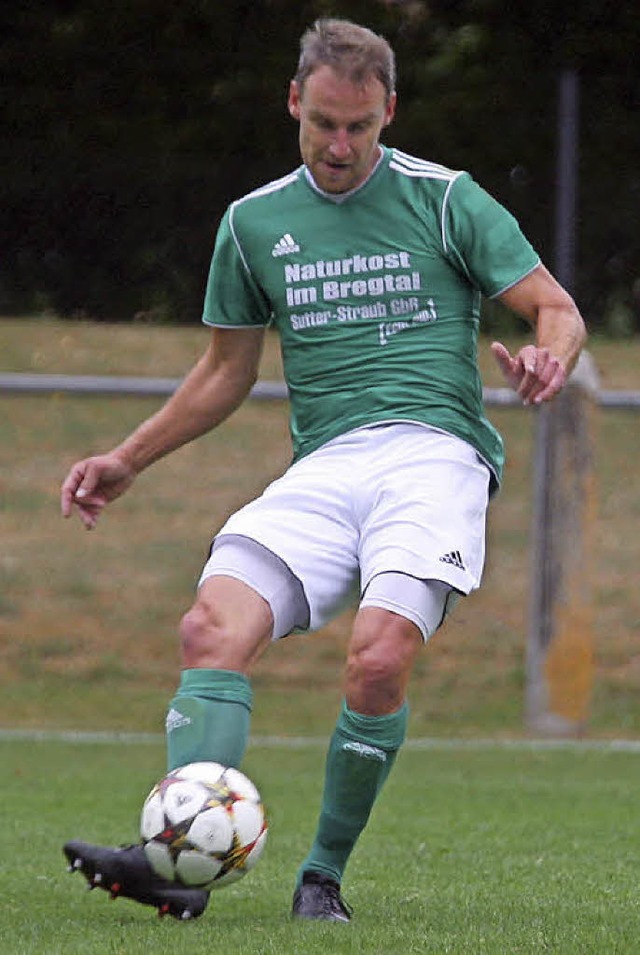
(203, 400)
(553, 314)
(560, 328)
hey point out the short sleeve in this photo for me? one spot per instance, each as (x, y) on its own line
(232, 298)
(483, 239)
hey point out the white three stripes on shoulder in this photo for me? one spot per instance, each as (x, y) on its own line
(269, 187)
(412, 166)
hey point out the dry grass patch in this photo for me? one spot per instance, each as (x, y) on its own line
(88, 621)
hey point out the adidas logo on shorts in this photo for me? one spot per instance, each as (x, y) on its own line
(285, 246)
(454, 557)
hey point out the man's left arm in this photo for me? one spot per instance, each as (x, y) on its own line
(539, 371)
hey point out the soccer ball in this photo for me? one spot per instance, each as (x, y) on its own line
(203, 825)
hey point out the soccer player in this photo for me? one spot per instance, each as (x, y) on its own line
(371, 264)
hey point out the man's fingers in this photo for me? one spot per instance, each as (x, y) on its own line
(531, 363)
(532, 373)
(79, 489)
(532, 360)
(547, 379)
(553, 382)
(70, 488)
(501, 354)
(507, 363)
(512, 366)
(89, 516)
(91, 477)
(89, 509)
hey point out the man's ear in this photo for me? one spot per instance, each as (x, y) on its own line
(294, 100)
(390, 111)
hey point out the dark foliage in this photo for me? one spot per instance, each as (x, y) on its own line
(129, 126)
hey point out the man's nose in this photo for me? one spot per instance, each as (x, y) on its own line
(340, 145)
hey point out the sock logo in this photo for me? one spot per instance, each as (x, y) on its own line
(175, 720)
(367, 752)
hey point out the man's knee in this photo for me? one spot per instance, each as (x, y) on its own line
(381, 655)
(227, 628)
(198, 631)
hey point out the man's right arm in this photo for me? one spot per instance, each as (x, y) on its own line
(213, 389)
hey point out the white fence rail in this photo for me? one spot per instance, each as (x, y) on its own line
(19, 382)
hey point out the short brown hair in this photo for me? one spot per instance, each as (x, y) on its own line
(351, 50)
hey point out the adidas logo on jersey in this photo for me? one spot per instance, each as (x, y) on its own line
(453, 557)
(285, 246)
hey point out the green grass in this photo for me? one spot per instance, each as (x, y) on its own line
(469, 850)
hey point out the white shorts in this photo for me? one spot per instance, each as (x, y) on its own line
(395, 498)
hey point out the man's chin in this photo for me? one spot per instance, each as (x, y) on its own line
(333, 178)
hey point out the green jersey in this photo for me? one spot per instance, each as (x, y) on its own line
(375, 295)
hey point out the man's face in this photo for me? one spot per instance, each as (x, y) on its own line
(340, 126)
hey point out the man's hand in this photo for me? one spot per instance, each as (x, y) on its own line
(91, 484)
(533, 373)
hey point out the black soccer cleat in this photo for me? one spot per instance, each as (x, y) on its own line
(318, 897)
(126, 873)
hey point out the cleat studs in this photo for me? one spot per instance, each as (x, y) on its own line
(163, 910)
(97, 878)
(115, 890)
(186, 915)
(77, 864)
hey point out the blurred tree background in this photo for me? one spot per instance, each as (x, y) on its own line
(129, 126)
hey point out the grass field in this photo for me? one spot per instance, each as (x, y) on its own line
(487, 850)
(511, 848)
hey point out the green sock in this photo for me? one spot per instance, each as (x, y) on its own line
(361, 754)
(208, 718)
